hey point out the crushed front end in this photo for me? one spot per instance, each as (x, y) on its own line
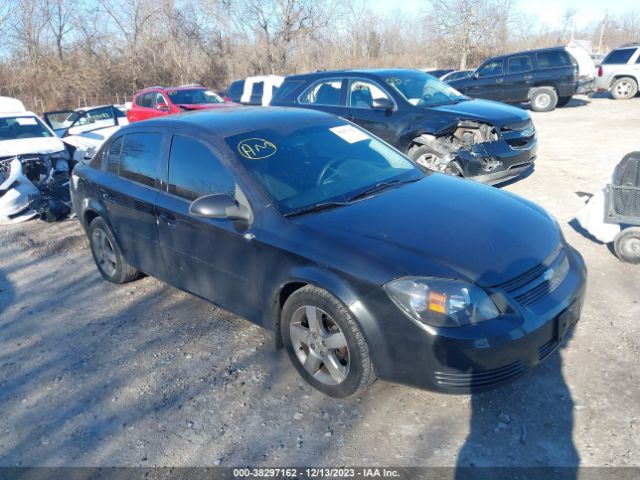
(483, 152)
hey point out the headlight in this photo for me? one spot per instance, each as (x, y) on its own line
(441, 303)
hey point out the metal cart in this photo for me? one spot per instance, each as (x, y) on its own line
(622, 207)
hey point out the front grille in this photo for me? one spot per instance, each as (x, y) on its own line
(517, 126)
(482, 379)
(626, 201)
(547, 349)
(538, 282)
(521, 142)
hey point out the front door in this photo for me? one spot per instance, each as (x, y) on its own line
(359, 109)
(487, 82)
(212, 258)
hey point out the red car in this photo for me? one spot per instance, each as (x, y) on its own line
(158, 101)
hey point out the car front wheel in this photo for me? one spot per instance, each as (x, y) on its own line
(107, 254)
(325, 344)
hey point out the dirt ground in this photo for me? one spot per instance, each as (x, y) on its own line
(93, 374)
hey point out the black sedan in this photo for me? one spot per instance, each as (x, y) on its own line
(434, 124)
(362, 264)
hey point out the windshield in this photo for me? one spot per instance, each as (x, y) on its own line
(12, 128)
(194, 96)
(423, 90)
(327, 162)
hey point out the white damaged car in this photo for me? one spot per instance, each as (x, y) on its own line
(85, 130)
(34, 167)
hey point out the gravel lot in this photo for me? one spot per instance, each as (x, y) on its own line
(93, 374)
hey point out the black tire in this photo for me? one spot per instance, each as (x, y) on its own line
(626, 244)
(624, 88)
(422, 154)
(108, 256)
(562, 101)
(335, 321)
(543, 99)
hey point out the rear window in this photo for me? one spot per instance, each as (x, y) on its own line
(139, 158)
(286, 88)
(619, 56)
(553, 59)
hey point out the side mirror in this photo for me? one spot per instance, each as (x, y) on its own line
(219, 206)
(475, 75)
(382, 104)
(162, 107)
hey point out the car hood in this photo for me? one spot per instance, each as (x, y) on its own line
(206, 106)
(22, 146)
(485, 111)
(439, 226)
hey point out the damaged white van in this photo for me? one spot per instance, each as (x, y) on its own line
(34, 167)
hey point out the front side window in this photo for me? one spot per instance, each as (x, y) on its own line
(194, 171)
(326, 92)
(423, 90)
(196, 96)
(362, 94)
(492, 68)
(553, 59)
(112, 156)
(329, 161)
(139, 158)
(25, 126)
(520, 64)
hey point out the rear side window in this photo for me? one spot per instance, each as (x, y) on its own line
(553, 59)
(194, 171)
(139, 158)
(112, 156)
(619, 56)
(519, 64)
(326, 92)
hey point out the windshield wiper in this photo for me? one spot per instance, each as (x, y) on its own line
(316, 207)
(378, 187)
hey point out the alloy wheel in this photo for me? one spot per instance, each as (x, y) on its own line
(104, 252)
(320, 345)
(624, 89)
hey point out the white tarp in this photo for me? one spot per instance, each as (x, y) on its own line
(591, 218)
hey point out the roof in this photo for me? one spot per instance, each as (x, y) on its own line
(181, 87)
(375, 72)
(11, 105)
(231, 121)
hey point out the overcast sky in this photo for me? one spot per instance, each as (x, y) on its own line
(549, 11)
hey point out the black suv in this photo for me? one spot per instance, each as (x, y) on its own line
(431, 122)
(547, 78)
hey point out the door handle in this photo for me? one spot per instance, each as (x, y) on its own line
(108, 197)
(169, 219)
(499, 80)
(528, 77)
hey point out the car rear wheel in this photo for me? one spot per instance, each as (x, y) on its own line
(624, 88)
(107, 255)
(562, 101)
(325, 344)
(626, 244)
(544, 99)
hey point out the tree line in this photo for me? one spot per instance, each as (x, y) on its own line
(65, 53)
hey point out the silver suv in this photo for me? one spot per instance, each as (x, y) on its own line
(619, 72)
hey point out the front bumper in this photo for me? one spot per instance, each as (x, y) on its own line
(507, 162)
(473, 358)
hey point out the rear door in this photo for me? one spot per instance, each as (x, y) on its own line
(129, 196)
(518, 79)
(556, 68)
(211, 258)
(488, 81)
